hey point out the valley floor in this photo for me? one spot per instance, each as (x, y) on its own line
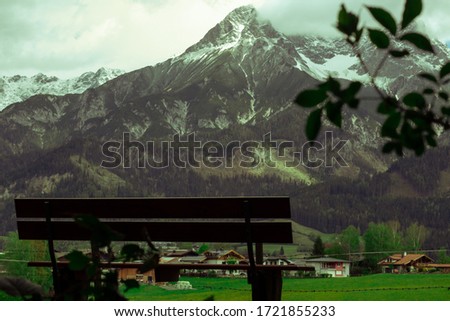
(378, 287)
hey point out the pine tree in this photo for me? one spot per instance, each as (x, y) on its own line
(318, 249)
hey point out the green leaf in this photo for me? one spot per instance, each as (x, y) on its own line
(334, 113)
(431, 140)
(389, 128)
(399, 150)
(130, 284)
(412, 139)
(443, 95)
(396, 146)
(132, 252)
(353, 103)
(77, 260)
(386, 108)
(353, 89)
(420, 122)
(398, 53)
(347, 22)
(420, 41)
(384, 18)
(429, 77)
(419, 148)
(445, 111)
(331, 85)
(415, 142)
(428, 91)
(101, 233)
(91, 270)
(313, 124)
(311, 97)
(379, 38)
(348, 95)
(150, 261)
(389, 147)
(445, 70)
(413, 8)
(414, 100)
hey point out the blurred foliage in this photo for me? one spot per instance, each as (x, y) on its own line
(411, 121)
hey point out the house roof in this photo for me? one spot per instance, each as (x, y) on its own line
(390, 259)
(402, 259)
(408, 258)
(192, 259)
(181, 252)
(300, 262)
(327, 260)
(223, 254)
(168, 259)
(276, 258)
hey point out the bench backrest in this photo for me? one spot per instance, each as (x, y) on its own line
(224, 219)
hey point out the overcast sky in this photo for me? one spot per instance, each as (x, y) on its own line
(67, 38)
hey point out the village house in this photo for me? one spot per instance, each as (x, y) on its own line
(404, 263)
(330, 266)
(172, 257)
(133, 274)
(179, 253)
(195, 260)
(124, 273)
(280, 261)
(225, 257)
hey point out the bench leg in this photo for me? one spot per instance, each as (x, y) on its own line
(267, 286)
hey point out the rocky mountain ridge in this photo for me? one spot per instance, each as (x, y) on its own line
(237, 83)
(19, 88)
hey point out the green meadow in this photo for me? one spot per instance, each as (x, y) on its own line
(378, 287)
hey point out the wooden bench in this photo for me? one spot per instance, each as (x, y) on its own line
(226, 219)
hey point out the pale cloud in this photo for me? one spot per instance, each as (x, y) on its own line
(319, 17)
(66, 38)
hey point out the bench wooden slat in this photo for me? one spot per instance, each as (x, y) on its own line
(223, 207)
(262, 232)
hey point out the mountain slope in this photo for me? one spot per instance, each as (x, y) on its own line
(235, 84)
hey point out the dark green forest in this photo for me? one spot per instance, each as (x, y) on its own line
(329, 206)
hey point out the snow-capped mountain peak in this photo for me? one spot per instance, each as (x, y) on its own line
(228, 32)
(18, 88)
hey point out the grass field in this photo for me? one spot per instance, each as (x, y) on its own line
(379, 287)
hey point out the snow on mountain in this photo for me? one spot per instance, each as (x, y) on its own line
(242, 72)
(19, 88)
(322, 57)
